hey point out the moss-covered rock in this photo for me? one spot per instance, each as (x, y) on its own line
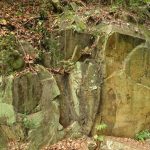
(7, 114)
(6, 93)
(33, 121)
(10, 58)
(26, 92)
(48, 131)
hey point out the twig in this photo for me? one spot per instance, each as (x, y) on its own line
(20, 44)
(30, 20)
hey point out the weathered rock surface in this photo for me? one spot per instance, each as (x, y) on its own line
(31, 102)
(47, 132)
(126, 89)
(26, 92)
(110, 144)
(80, 95)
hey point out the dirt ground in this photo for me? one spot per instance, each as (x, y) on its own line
(82, 144)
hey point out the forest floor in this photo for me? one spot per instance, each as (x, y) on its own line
(29, 21)
(81, 144)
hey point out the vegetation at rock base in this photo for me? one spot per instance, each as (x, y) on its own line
(99, 137)
(143, 135)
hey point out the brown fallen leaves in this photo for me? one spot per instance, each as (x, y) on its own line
(14, 145)
(66, 144)
(69, 144)
(81, 144)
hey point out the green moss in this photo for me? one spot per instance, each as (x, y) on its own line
(7, 114)
(52, 45)
(8, 42)
(33, 121)
(10, 58)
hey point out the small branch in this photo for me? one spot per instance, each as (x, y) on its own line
(30, 20)
(20, 44)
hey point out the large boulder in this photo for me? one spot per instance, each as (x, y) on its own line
(32, 89)
(126, 105)
(80, 96)
(48, 131)
(126, 86)
(27, 102)
(26, 92)
(43, 105)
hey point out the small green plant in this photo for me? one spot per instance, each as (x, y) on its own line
(143, 135)
(28, 124)
(99, 129)
(52, 45)
(113, 8)
(99, 137)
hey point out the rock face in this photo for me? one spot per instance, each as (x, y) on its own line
(126, 88)
(28, 89)
(81, 95)
(29, 100)
(103, 79)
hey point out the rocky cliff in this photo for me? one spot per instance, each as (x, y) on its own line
(90, 78)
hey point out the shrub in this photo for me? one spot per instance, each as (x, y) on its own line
(99, 128)
(143, 135)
